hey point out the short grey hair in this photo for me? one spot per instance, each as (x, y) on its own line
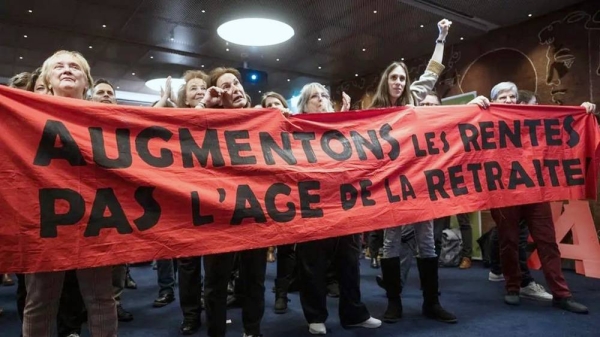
(503, 86)
(305, 96)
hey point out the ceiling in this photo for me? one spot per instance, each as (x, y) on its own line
(132, 41)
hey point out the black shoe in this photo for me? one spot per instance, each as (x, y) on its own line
(281, 305)
(374, 263)
(189, 327)
(393, 313)
(569, 305)
(435, 311)
(123, 315)
(512, 298)
(163, 300)
(129, 282)
(333, 290)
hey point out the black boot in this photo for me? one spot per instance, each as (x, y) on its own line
(390, 270)
(428, 272)
(281, 299)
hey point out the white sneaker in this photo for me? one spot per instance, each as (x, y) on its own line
(371, 323)
(495, 277)
(536, 292)
(317, 328)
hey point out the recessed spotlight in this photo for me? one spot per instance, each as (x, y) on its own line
(103, 26)
(202, 66)
(151, 56)
(90, 47)
(530, 15)
(118, 87)
(25, 36)
(374, 12)
(259, 91)
(20, 57)
(356, 75)
(288, 79)
(30, 11)
(133, 74)
(277, 60)
(364, 49)
(402, 59)
(422, 26)
(203, 11)
(226, 49)
(319, 39)
(172, 39)
(462, 38)
(319, 67)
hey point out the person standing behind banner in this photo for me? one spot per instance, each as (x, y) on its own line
(104, 92)
(391, 91)
(67, 74)
(538, 217)
(227, 92)
(190, 268)
(341, 253)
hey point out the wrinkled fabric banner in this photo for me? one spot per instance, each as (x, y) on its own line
(86, 184)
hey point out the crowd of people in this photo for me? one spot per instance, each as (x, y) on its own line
(51, 302)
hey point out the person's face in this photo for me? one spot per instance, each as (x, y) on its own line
(396, 82)
(104, 93)
(234, 96)
(532, 101)
(40, 87)
(430, 100)
(67, 77)
(318, 101)
(195, 89)
(272, 102)
(506, 97)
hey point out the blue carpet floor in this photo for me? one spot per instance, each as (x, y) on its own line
(476, 301)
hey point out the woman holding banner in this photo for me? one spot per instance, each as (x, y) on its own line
(227, 92)
(341, 253)
(391, 92)
(67, 74)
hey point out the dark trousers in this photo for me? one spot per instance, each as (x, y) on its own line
(217, 268)
(466, 232)
(496, 266)
(539, 220)
(375, 240)
(71, 310)
(345, 253)
(286, 266)
(190, 287)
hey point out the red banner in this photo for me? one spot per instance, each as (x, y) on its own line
(87, 184)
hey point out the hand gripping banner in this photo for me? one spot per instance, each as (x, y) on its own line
(86, 184)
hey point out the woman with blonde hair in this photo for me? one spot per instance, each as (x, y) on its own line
(67, 74)
(315, 98)
(396, 89)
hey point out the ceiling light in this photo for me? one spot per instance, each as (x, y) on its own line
(462, 38)
(118, 87)
(530, 15)
(158, 83)
(202, 66)
(30, 11)
(364, 49)
(255, 32)
(103, 26)
(90, 47)
(20, 57)
(402, 59)
(288, 79)
(318, 39)
(151, 57)
(277, 60)
(227, 49)
(172, 39)
(422, 26)
(259, 91)
(133, 74)
(253, 77)
(25, 36)
(374, 12)
(203, 11)
(356, 75)
(319, 67)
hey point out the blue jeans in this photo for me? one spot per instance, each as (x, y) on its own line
(166, 277)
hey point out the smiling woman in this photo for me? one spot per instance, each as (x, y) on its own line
(67, 74)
